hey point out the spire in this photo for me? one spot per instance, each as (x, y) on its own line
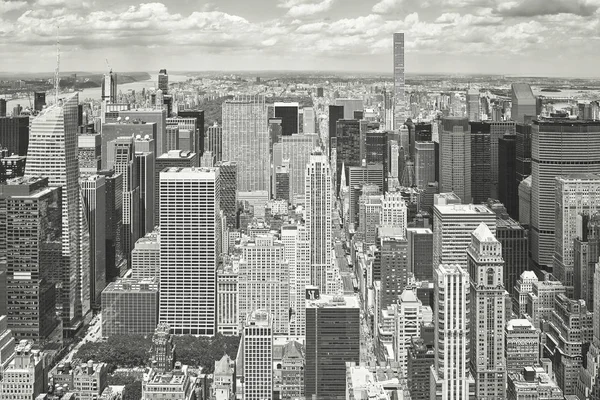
(57, 71)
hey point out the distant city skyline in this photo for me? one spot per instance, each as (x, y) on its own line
(522, 37)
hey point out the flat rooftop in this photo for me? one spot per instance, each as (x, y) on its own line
(463, 209)
(329, 301)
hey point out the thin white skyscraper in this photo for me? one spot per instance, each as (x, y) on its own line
(399, 95)
(296, 251)
(52, 154)
(246, 141)
(318, 203)
(189, 231)
(258, 356)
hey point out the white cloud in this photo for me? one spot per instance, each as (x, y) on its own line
(305, 8)
(10, 5)
(387, 6)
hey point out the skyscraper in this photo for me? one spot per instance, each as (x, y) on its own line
(508, 190)
(89, 154)
(297, 149)
(335, 114)
(455, 149)
(199, 115)
(214, 141)
(289, 114)
(109, 87)
(485, 266)
(146, 176)
(188, 238)
(473, 108)
(451, 378)
(246, 141)
(350, 107)
(522, 345)
(130, 128)
(424, 164)
(559, 147)
(52, 154)
(318, 202)
(348, 148)
(14, 134)
(163, 81)
(296, 249)
(523, 102)
(399, 96)
(39, 101)
(481, 162)
(394, 268)
(174, 158)
(257, 348)
(410, 317)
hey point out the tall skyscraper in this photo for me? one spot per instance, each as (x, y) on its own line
(163, 81)
(455, 149)
(297, 149)
(289, 114)
(296, 249)
(332, 340)
(451, 378)
(485, 266)
(409, 320)
(473, 108)
(335, 114)
(30, 232)
(347, 148)
(214, 141)
(39, 101)
(559, 147)
(130, 128)
(257, 346)
(199, 115)
(89, 154)
(394, 269)
(399, 96)
(309, 120)
(109, 87)
(498, 129)
(14, 134)
(146, 176)
(452, 227)
(586, 251)
(139, 118)
(523, 102)
(228, 175)
(189, 231)
(318, 202)
(508, 190)
(174, 158)
(115, 259)
(424, 164)
(53, 154)
(246, 141)
(481, 162)
(420, 253)
(523, 151)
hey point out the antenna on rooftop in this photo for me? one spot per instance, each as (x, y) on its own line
(57, 71)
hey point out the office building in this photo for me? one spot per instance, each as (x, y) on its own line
(297, 149)
(145, 176)
(144, 116)
(424, 163)
(177, 383)
(39, 101)
(523, 102)
(93, 195)
(24, 377)
(31, 233)
(14, 134)
(174, 158)
(282, 183)
(7, 344)
(2, 107)
(187, 140)
(11, 166)
(420, 253)
(371, 174)
(288, 382)
(347, 148)
(214, 141)
(309, 120)
(399, 96)
(109, 87)
(525, 202)
(451, 378)
(485, 267)
(420, 357)
(498, 129)
(508, 190)
(130, 307)
(586, 251)
(452, 227)
(318, 204)
(145, 257)
(163, 81)
(350, 106)
(521, 345)
(188, 249)
(455, 156)
(52, 154)
(481, 162)
(369, 218)
(89, 154)
(115, 259)
(228, 174)
(559, 147)
(228, 314)
(199, 116)
(86, 380)
(172, 138)
(409, 320)
(575, 195)
(332, 339)
(188, 132)
(335, 114)
(532, 382)
(473, 105)
(589, 376)
(264, 281)
(246, 141)
(126, 128)
(289, 114)
(258, 356)
(393, 268)
(570, 331)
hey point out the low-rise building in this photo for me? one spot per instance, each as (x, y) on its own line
(532, 383)
(23, 379)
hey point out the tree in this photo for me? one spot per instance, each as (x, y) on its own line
(132, 391)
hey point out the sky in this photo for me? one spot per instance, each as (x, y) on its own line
(514, 37)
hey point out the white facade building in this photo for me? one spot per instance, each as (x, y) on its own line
(258, 356)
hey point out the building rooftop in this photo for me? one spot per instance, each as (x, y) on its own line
(519, 324)
(579, 177)
(177, 154)
(522, 91)
(329, 301)
(465, 209)
(483, 233)
(133, 285)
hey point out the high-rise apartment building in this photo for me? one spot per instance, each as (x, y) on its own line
(52, 154)
(174, 158)
(455, 153)
(30, 255)
(487, 302)
(473, 105)
(109, 87)
(332, 340)
(424, 163)
(521, 345)
(189, 231)
(575, 195)
(318, 203)
(523, 102)
(264, 280)
(451, 378)
(559, 147)
(297, 149)
(246, 141)
(452, 227)
(399, 96)
(257, 348)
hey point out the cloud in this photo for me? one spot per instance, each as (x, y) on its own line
(534, 8)
(386, 6)
(305, 8)
(10, 5)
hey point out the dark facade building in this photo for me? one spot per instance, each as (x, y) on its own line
(282, 183)
(14, 134)
(348, 148)
(393, 253)
(288, 112)
(199, 115)
(335, 114)
(11, 166)
(39, 101)
(275, 132)
(481, 162)
(420, 357)
(586, 250)
(508, 190)
(2, 108)
(419, 132)
(31, 237)
(115, 259)
(319, 92)
(420, 253)
(332, 339)
(228, 178)
(522, 152)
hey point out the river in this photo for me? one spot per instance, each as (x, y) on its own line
(95, 93)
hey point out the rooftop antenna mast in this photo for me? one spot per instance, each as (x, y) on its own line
(57, 70)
